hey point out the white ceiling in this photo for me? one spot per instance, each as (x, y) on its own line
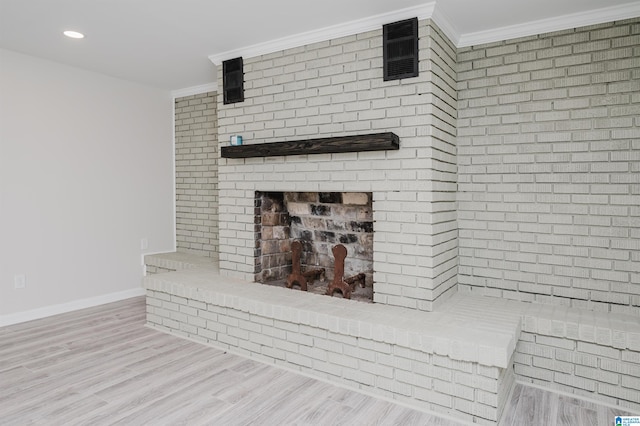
(167, 43)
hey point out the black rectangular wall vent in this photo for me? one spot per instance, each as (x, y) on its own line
(400, 45)
(233, 81)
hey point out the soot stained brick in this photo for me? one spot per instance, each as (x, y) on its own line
(307, 246)
(320, 210)
(361, 226)
(327, 236)
(306, 235)
(348, 238)
(331, 197)
(335, 226)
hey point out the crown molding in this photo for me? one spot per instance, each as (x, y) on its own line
(445, 24)
(427, 11)
(328, 33)
(194, 90)
(575, 20)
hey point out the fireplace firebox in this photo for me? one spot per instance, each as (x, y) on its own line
(322, 222)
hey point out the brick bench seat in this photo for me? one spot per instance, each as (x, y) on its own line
(175, 261)
(587, 353)
(456, 361)
(466, 328)
(460, 360)
(456, 332)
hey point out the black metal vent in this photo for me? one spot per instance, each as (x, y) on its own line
(233, 81)
(400, 44)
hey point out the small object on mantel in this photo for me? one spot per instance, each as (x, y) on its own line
(371, 142)
(236, 140)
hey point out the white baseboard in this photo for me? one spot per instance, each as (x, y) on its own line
(75, 305)
(575, 396)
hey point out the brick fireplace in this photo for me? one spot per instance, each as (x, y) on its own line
(336, 88)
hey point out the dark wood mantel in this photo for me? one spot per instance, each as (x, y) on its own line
(371, 142)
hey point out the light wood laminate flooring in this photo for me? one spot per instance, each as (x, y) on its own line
(102, 366)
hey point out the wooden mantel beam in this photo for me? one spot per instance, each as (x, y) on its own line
(370, 142)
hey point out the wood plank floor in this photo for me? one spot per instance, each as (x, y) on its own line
(102, 366)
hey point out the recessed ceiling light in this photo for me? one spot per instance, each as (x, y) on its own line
(73, 34)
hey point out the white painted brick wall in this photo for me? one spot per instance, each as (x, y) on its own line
(591, 370)
(336, 88)
(196, 166)
(549, 162)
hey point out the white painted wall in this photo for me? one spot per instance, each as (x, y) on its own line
(86, 171)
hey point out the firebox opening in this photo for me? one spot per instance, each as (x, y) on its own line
(321, 222)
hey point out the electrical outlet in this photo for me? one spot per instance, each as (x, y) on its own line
(19, 281)
(144, 244)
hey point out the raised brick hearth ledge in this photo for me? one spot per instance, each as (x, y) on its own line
(466, 328)
(459, 359)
